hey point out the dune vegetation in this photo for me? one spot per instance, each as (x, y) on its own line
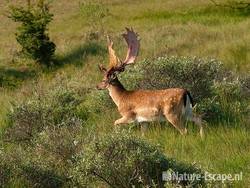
(56, 129)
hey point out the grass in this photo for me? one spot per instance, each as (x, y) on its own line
(209, 153)
(225, 148)
(183, 28)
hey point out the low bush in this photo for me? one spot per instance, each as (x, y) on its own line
(43, 135)
(98, 101)
(23, 166)
(41, 177)
(5, 173)
(9, 169)
(58, 108)
(119, 159)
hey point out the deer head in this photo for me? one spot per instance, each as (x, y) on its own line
(117, 66)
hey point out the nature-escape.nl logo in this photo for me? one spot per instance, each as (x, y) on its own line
(170, 175)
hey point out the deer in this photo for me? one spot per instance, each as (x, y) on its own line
(172, 104)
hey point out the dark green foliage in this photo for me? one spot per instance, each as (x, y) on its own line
(119, 159)
(31, 34)
(11, 78)
(32, 169)
(218, 93)
(5, 172)
(42, 178)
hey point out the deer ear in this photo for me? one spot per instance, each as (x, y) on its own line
(102, 69)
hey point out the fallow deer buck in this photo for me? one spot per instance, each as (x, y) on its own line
(175, 104)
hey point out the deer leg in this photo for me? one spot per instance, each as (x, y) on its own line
(127, 117)
(176, 122)
(144, 128)
(124, 120)
(198, 121)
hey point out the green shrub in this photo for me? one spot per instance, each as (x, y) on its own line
(43, 135)
(31, 34)
(42, 178)
(219, 94)
(9, 166)
(5, 172)
(60, 142)
(58, 108)
(119, 159)
(98, 101)
(27, 167)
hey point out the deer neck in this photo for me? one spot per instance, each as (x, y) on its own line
(116, 91)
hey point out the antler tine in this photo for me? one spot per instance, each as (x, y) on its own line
(113, 59)
(133, 45)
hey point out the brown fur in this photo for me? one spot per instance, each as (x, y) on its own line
(149, 104)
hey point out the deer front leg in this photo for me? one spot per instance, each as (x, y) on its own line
(124, 120)
(176, 122)
(127, 117)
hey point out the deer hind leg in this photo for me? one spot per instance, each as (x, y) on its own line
(198, 121)
(177, 122)
(144, 128)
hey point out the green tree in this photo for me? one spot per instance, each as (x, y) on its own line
(32, 33)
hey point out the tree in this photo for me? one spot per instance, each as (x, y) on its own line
(32, 33)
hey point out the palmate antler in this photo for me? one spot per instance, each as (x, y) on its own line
(133, 46)
(115, 64)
